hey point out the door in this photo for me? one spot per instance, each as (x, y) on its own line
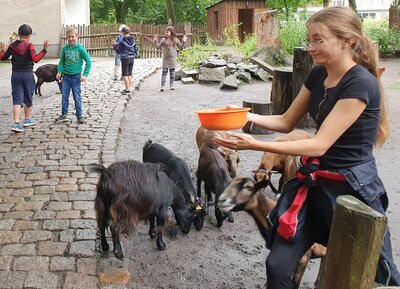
(246, 19)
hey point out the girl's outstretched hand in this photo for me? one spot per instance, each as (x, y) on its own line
(184, 38)
(155, 37)
(236, 141)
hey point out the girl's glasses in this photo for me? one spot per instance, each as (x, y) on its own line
(314, 43)
(318, 42)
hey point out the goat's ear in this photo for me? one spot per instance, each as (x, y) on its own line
(260, 185)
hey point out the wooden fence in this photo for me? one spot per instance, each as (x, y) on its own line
(98, 38)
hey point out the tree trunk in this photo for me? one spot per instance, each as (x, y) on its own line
(352, 5)
(281, 90)
(302, 65)
(119, 11)
(326, 3)
(170, 11)
(258, 107)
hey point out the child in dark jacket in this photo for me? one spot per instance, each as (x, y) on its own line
(22, 79)
(127, 49)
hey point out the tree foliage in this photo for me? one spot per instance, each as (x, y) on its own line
(149, 11)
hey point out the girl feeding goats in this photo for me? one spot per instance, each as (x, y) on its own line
(343, 95)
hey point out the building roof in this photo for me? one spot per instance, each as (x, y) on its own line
(223, 1)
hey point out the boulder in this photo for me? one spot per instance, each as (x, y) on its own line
(230, 82)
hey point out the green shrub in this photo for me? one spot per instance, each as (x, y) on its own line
(192, 56)
(293, 34)
(232, 36)
(379, 30)
(249, 46)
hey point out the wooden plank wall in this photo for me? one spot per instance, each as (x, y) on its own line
(228, 14)
(98, 39)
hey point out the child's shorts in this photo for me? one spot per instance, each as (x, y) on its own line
(22, 88)
(117, 60)
(127, 66)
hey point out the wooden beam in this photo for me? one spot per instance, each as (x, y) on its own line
(269, 68)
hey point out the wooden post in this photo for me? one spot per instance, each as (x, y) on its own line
(259, 107)
(281, 90)
(354, 246)
(302, 65)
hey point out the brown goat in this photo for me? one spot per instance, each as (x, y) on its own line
(204, 137)
(286, 165)
(213, 171)
(244, 194)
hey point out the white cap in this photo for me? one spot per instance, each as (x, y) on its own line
(121, 27)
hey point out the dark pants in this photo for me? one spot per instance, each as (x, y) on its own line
(127, 66)
(171, 76)
(284, 257)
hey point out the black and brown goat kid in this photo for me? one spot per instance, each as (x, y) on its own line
(177, 169)
(129, 192)
(213, 170)
(245, 194)
(46, 73)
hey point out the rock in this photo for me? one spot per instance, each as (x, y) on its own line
(230, 82)
(212, 62)
(263, 75)
(235, 59)
(211, 74)
(189, 73)
(245, 76)
(243, 67)
(187, 80)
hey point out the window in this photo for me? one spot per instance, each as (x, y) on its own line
(216, 20)
(338, 3)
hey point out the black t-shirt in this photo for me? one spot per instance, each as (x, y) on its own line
(355, 146)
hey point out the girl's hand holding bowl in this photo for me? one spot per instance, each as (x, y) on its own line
(236, 141)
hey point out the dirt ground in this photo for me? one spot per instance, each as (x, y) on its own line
(234, 255)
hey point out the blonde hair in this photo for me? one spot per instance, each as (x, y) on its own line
(364, 52)
(71, 29)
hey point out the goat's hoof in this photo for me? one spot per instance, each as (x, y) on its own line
(231, 219)
(161, 245)
(119, 255)
(105, 247)
(152, 235)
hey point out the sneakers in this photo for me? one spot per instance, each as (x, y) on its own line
(115, 77)
(172, 87)
(29, 122)
(63, 118)
(126, 91)
(162, 88)
(17, 127)
(81, 120)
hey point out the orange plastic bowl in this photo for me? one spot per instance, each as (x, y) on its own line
(223, 118)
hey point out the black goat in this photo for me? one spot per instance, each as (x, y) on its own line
(179, 172)
(213, 170)
(129, 192)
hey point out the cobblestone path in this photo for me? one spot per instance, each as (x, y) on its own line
(47, 219)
